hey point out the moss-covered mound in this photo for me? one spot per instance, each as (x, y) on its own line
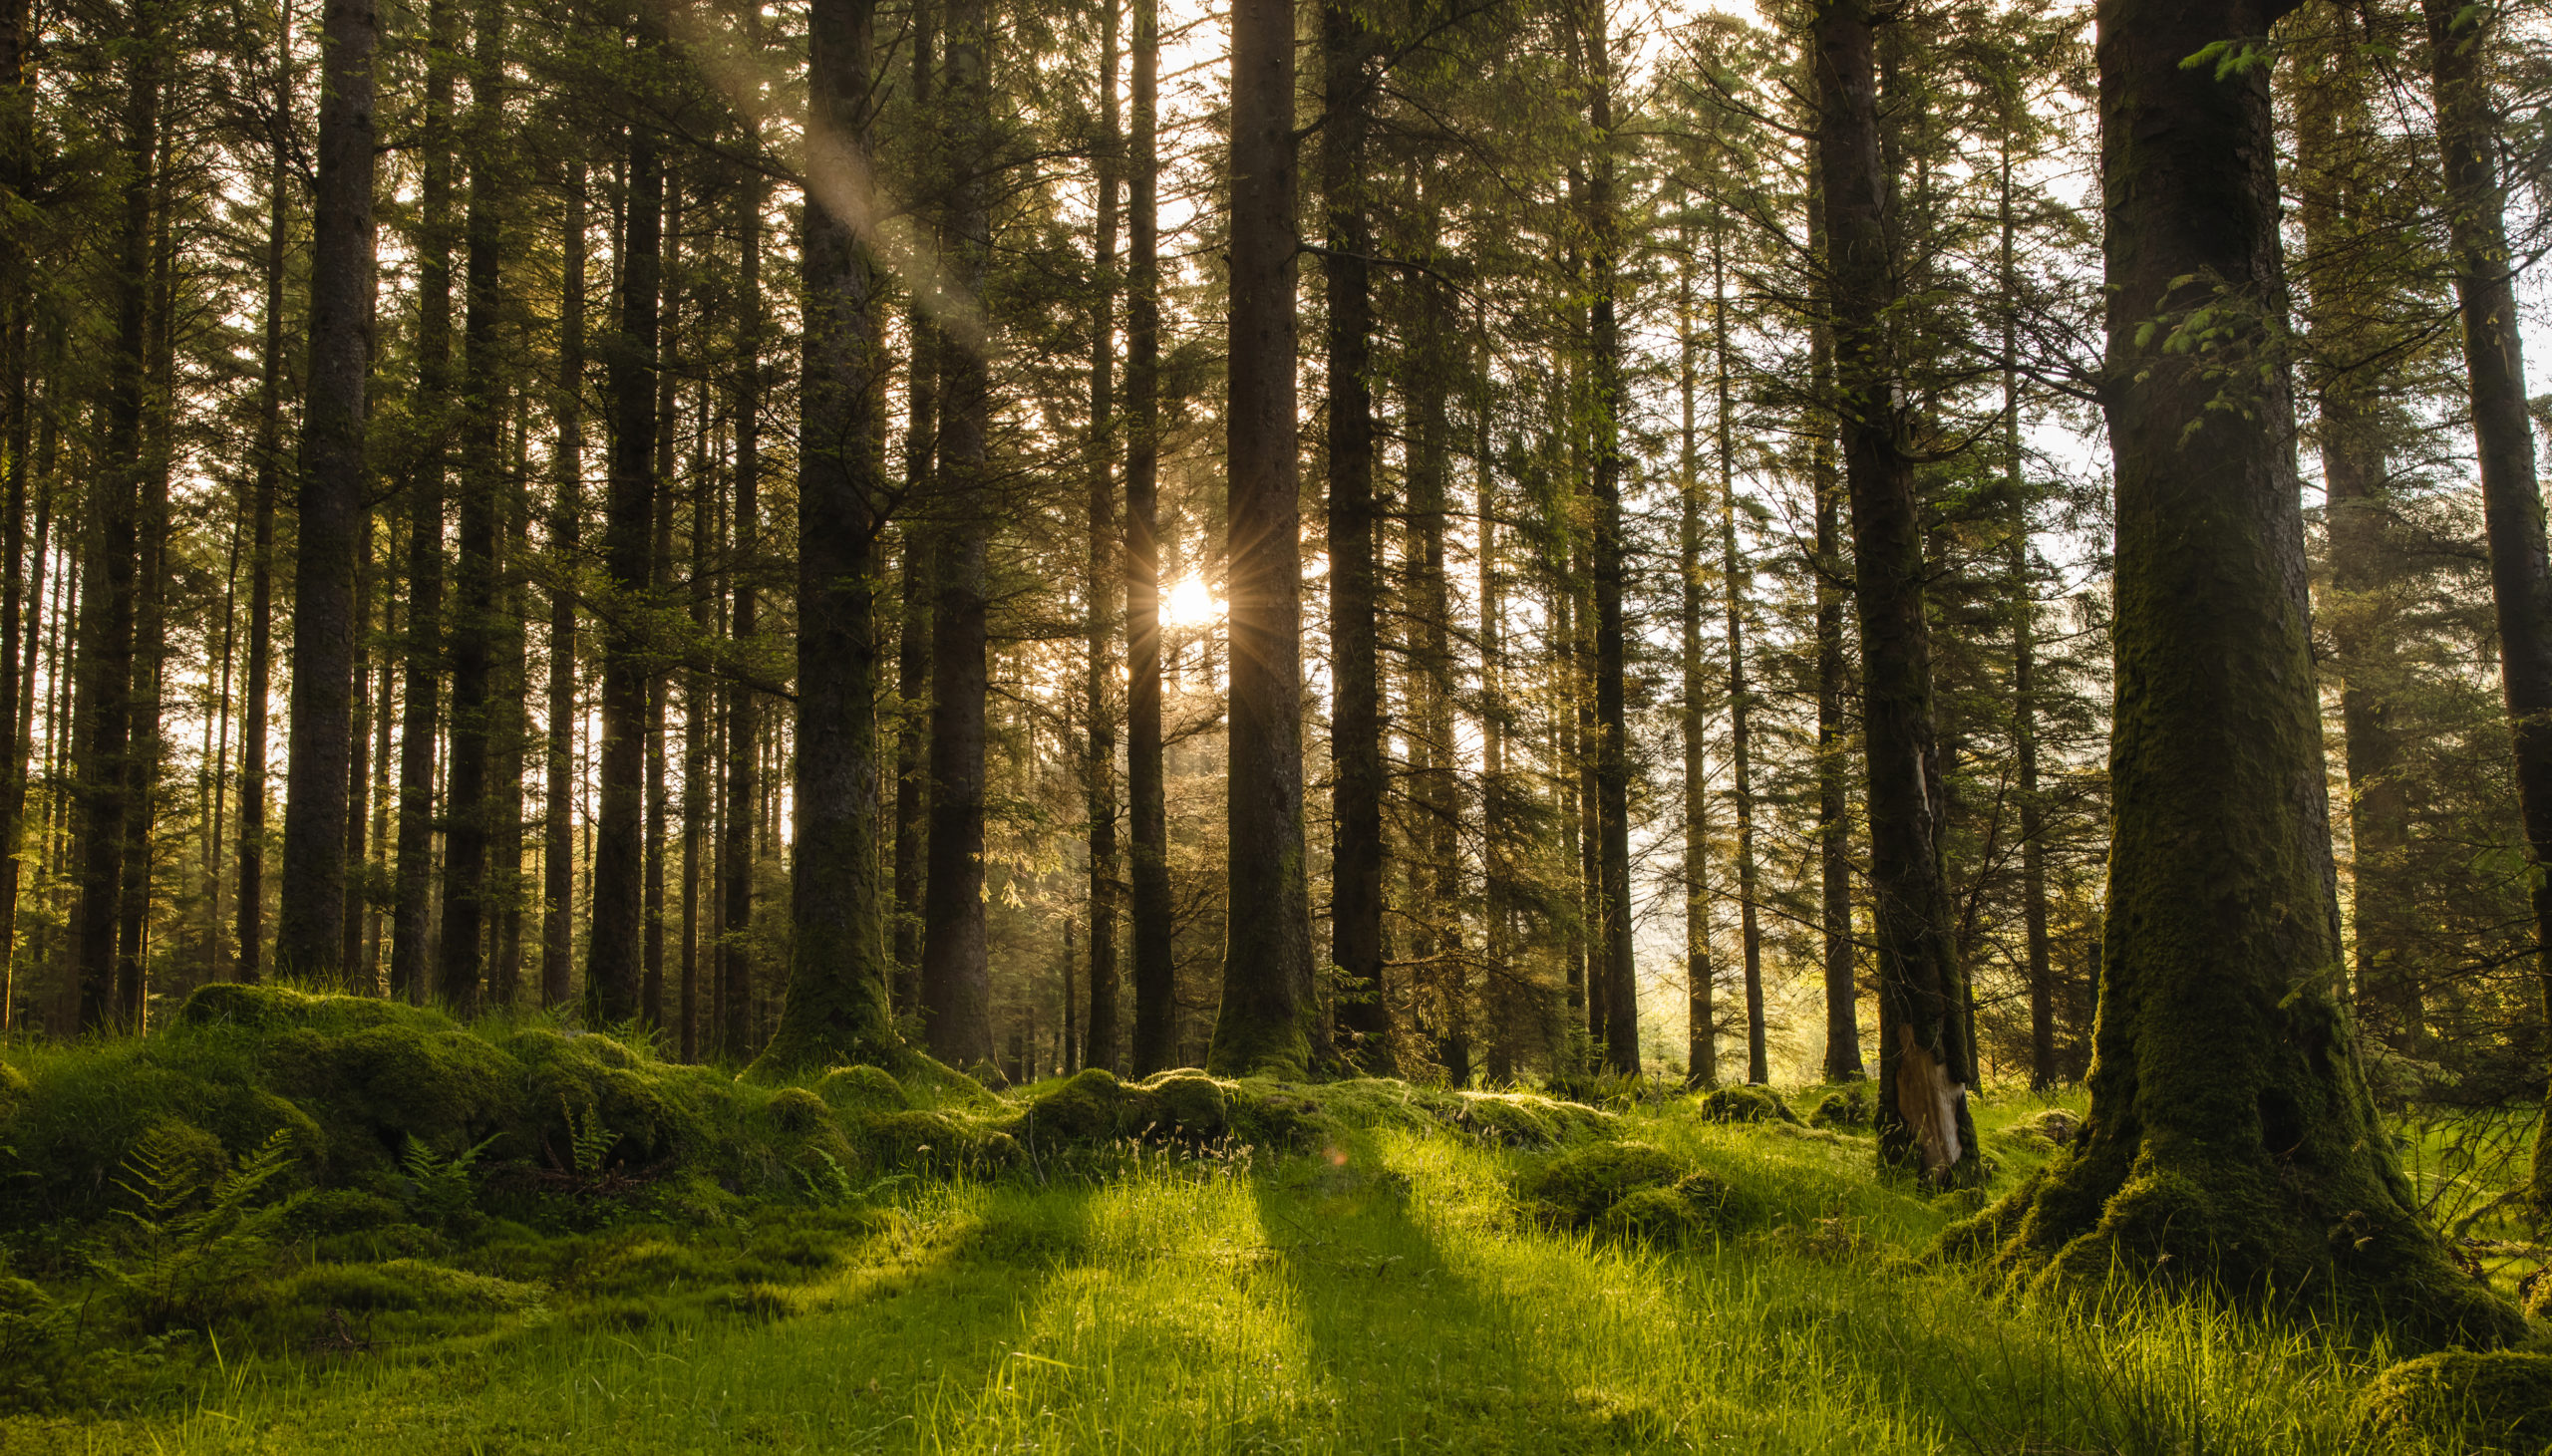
(517, 1116)
(1628, 1189)
(1851, 1107)
(2500, 1400)
(1186, 1106)
(1745, 1102)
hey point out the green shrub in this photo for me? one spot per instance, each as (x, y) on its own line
(2500, 1400)
(35, 1346)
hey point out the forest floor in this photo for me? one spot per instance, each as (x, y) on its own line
(1377, 1295)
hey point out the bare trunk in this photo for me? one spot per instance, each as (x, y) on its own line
(1155, 1011)
(1101, 582)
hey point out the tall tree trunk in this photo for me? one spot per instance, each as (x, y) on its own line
(651, 985)
(309, 933)
(2230, 1130)
(1739, 575)
(956, 978)
(1700, 977)
(1612, 720)
(698, 792)
(558, 829)
(1270, 1018)
(148, 749)
(2459, 40)
(1364, 1018)
(1103, 581)
(412, 906)
(473, 799)
(510, 731)
(615, 943)
(1154, 978)
(1833, 739)
(836, 1009)
(109, 594)
(1511, 1003)
(1438, 870)
(913, 651)
(744, 706)
(2044, 1075)
(1926, 1063)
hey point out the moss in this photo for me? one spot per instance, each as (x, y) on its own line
(334, 1211)
(402, 1283)
(2498, 1400)
(2536, 1292)
(1188, 1106)
(797, 1111)
(1577, 1189)
(1849, 1108)
(1524, 1120)
(1746, 1103)
(938, 1139)
(1088, 1108)
(860, 1089)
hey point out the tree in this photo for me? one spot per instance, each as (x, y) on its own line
(837, 1009)
(2230, 1131)
(1926, 1061)
(1270, 1019)
(1149, 920)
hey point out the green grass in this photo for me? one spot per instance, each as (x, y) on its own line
(1382, 1295)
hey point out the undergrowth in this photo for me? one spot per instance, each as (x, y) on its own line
(668, 1259)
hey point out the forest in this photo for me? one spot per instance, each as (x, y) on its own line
(1319, 725)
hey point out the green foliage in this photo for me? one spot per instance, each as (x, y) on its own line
(2496, 1401)
(195, 1235)
(442, 1192)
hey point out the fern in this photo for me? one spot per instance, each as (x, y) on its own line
(588, 1140)
(441, 1191)
(826, 1181)
(184, 1265)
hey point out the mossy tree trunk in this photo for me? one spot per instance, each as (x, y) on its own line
(2230, 1138)
(837, 1007)
(1149, 920)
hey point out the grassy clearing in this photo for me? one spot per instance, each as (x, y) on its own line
(1384, 1290)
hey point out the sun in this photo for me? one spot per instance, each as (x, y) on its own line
(1192, 604)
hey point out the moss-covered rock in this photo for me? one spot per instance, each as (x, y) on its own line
(2500, 1401)
(1525, 1120)
(402, 1283)
(862, 1089)
(1745, 1102)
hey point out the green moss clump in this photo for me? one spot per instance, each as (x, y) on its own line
(1577, 1189)
(1849, 1108)
(1189, 1104)
(796, 1110)
(2499, 1400)
(1745, 1102)
(860, 1089)
(402, 1283)
(1088, 1108)
(1524, 1120)
(939, 1139)
(2537, 1293)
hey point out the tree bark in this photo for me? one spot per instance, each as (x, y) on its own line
(1738, 575)
(912, 626)
(1363, 1019)
(956, 976)
(1700, 1020)
(1926, 1063)
(836, 1009)
(1843, 1062)
(1612, 720)
(1155, 980)
(558, 829)
(2230, 1138)
(1102, 583)
(743, 705)
(410, 924)
(471, 797)
(615, 940)
(109, 592)
(1270, 1018)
